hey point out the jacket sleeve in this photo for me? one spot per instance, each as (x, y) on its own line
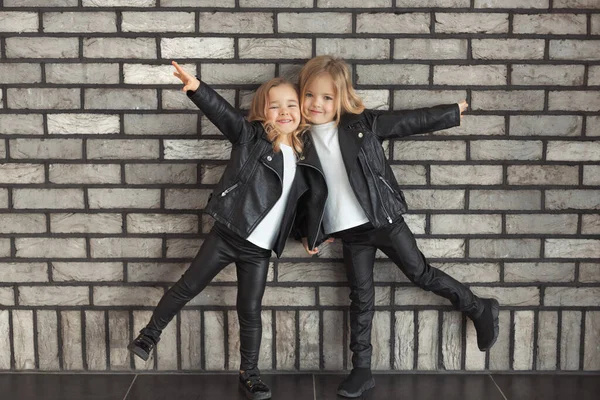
(226, 118)
(400, 123)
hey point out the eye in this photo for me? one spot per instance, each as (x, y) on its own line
(308, 95)
(328, 98)
(273, 108)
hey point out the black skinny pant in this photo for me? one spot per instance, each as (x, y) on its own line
(398, 243)
(222, 247)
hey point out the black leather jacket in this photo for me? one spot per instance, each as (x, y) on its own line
(253, 178)
(371, 178)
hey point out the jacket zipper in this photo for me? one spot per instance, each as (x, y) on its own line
(376, 188)
(323, 208)
(229, 189)
(386, 184)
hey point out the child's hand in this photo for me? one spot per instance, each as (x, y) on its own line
(190, 82)
(463, 105)
(305, 244)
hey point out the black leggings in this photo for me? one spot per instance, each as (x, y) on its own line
(222, 247)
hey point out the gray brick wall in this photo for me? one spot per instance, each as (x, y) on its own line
(105, 168)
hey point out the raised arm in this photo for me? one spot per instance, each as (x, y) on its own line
(226, 118)
(400, 123)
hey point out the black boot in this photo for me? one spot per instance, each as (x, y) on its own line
(486, 324)
(143, 345)
(252, 386)
(359, 381)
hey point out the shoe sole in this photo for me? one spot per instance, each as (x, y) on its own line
(253, 396)
(495, 314)
(370, 384)
(138, 351)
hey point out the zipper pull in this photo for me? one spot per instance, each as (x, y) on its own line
(389, 220)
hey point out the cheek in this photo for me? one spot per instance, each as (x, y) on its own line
(271, 115)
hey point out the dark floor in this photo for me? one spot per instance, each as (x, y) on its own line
(37, 386)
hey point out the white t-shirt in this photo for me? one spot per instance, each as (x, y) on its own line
(265, 233)
(342, 209)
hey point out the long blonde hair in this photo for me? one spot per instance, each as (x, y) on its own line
(258, 112)
(347, 101)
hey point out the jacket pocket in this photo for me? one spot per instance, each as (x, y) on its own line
(229, 189)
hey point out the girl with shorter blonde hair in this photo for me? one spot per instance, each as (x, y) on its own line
(354, 196)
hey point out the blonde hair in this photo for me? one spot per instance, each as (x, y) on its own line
(347, 101)
(258, 112)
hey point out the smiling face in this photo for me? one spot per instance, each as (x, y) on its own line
(319, 103)
(283, 109)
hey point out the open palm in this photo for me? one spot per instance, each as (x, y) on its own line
(190, 82)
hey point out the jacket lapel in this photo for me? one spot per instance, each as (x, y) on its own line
(274, 161)
(309, 154)
(350, 137)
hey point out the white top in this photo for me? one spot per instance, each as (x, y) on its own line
(265, 233)
(342, 209)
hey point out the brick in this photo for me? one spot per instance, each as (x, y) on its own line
(572, 297)
(50, 248)
(260, 48)
(572, 248)
(504, 200)
(392, 23)
(299, 296)
(442, 248)
(469, 75)
(23, 272)
(60, 149)
(333, 354)
(173, 100)
(112, 149)
(22, 173)
(565, 224)
(565, 75)
(594, 76)
(311, 272)
(44, 3)
(348, 4)
(78, 22)
(215, 48)
(53, 295)
(265, 359)
(186, 199)
(504, 248)
(450, 335)
(158, 22)
(543, 175)
(41, 47)
(286, 340)
(48, 198)
(430, 150)
(88, 173)
(170, 124)
(127, 99)
(20, 73)
(119, 3)
(82, 73)
(338, 296)
(153, 74)
(162, 223)
(514, 100)
(381, 341)
(156, 173)
(22, 324)
(576, 100)
(508, 49)
(375, 99)
(466, 174)
(191, 341)
(430, 49)
(3, 198)
(87, 271)
(410, 99)
(156, 272)
(572, 199)
(197, 149)
(83, 124)
(511, 296)
(21, 124)
(595, 24)
(500, 353)
(309, 339)
(593, 126)
(539, 272)
(124, 198)
(404, 340)
(214, 334)
(523, 339)
(195, 3)
(434, 3)
(86, 223)
(466, 224)
(71, 333)
(378, 49)
(427, 354)
(576, 4)
(183, 248)
(427, 199)
(545, 125)
(113, 247)
(506, 150)
(511, 3)
(554, 24)
(592, 338)
(410, 174)
(314, 22)
(216, 74)
(43, 98)
(590, 224)
(7, 298)
(471, 23)
(118, 337)
(119, 48)
(22, 223)
(547, 339)
(573, 151)
(238, 22)
(47, 343)
(574, 49)
(474, 358)
(95, 340)
(126, 296)
(570, 340)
